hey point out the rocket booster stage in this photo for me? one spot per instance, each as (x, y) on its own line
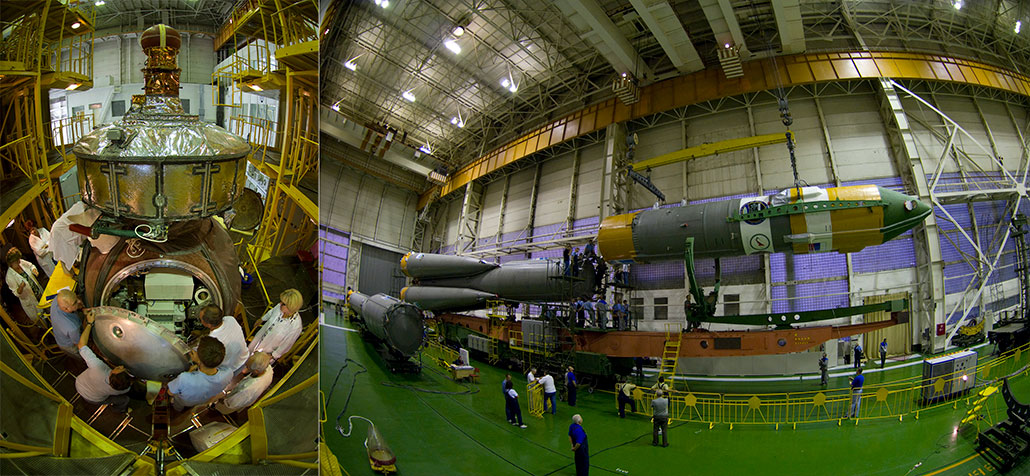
(459, 283)
(392, 321)
(844, 219)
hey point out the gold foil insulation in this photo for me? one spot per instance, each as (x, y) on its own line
(161, 73)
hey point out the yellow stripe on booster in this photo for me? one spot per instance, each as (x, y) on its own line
(615, 237)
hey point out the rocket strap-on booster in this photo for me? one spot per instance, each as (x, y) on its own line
(459, 283)
(844, 219)
(396, 323)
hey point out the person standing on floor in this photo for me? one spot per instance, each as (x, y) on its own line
(550, 391)
(824, 370)
(883, 352)
(22, 278)
(64, 317)
(39, 241)
(511, 399)
(856, 393)
(661, 385)
(625, 396)
(570, 386)
(858, 355)
(578, 438)
(660, 414)
(504, 391)
(100, 384)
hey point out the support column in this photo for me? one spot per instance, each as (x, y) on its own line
(928, 303)
(504, 209)
(531, 223)
(468, 221)
(353, 263)
(570, 217)
(613, 182)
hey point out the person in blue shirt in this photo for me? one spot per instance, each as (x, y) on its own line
(581, 313)
(589, 250)
(198, 386)
(570, 386)
(64, 316)
(511, 400)
(578, 439)
(619, 315)
(504, 391)
(856, 393)
(858, 355)
(575, 262)
(883, 352)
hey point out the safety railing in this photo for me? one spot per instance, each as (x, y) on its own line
(890, 400)
(68, 130)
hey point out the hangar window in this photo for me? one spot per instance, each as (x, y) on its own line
(661, 308)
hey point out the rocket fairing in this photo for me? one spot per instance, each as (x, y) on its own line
(439, 286)
(396, 323)
(843, 219)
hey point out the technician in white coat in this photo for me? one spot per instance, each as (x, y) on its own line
(281, 326)
(22, 279)
(39, 241)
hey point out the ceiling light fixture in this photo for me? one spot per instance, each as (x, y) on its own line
(383, 3)
(1018, 25)
(407, 95)
(426, 149)
(727, 46)
(351, 65)
(505, 82)
(958, 4)
(453, 46)
(76, 25)
(459, 30)
(99, 3)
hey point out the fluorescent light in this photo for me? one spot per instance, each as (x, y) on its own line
(72, 86)
(505, 83)
(454, 120)
(426, 149)
(407, 95)
(351, 66)
(256, 87)
(1018, 24)
(457, 122)
(336, 107)
(453, 46)
(459, 30)
(958, 4)
(513, 87)
(76, 25)
(99, 3)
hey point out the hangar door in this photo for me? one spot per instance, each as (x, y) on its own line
(380, 271)
(899, 337)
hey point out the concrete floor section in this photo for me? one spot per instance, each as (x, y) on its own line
(436, 426)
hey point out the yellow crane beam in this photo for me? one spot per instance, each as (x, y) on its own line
(714, 148)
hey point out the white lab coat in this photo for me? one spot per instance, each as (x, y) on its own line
(28, 300)
(65, 243)
(41, 248)
(245, 393)
(278, 333)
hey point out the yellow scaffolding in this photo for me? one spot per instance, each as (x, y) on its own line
(276, 49)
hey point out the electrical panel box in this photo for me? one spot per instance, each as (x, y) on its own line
(163, 286)
(949, 375)
(479, 343)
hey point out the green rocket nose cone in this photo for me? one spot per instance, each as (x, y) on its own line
(902, 213)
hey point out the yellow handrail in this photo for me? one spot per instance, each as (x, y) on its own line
(895, 399)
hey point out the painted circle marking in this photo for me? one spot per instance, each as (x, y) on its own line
(760, 242)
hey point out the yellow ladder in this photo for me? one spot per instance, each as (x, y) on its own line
(492, 355)
(670, 356)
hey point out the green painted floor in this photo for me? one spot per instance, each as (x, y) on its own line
(466, 434)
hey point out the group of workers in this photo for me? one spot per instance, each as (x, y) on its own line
(226, 371)
(595, 312)
(573, 264)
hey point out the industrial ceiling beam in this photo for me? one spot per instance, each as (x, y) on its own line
(724, 24)
(666, 27)
(598, 29)
(788, 23)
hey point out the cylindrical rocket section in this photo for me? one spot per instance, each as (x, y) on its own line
(397, 323)
(846, 219)
(529, 280)
(435, 298)
(423, 265)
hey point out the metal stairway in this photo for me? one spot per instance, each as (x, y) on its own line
(670, 356)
